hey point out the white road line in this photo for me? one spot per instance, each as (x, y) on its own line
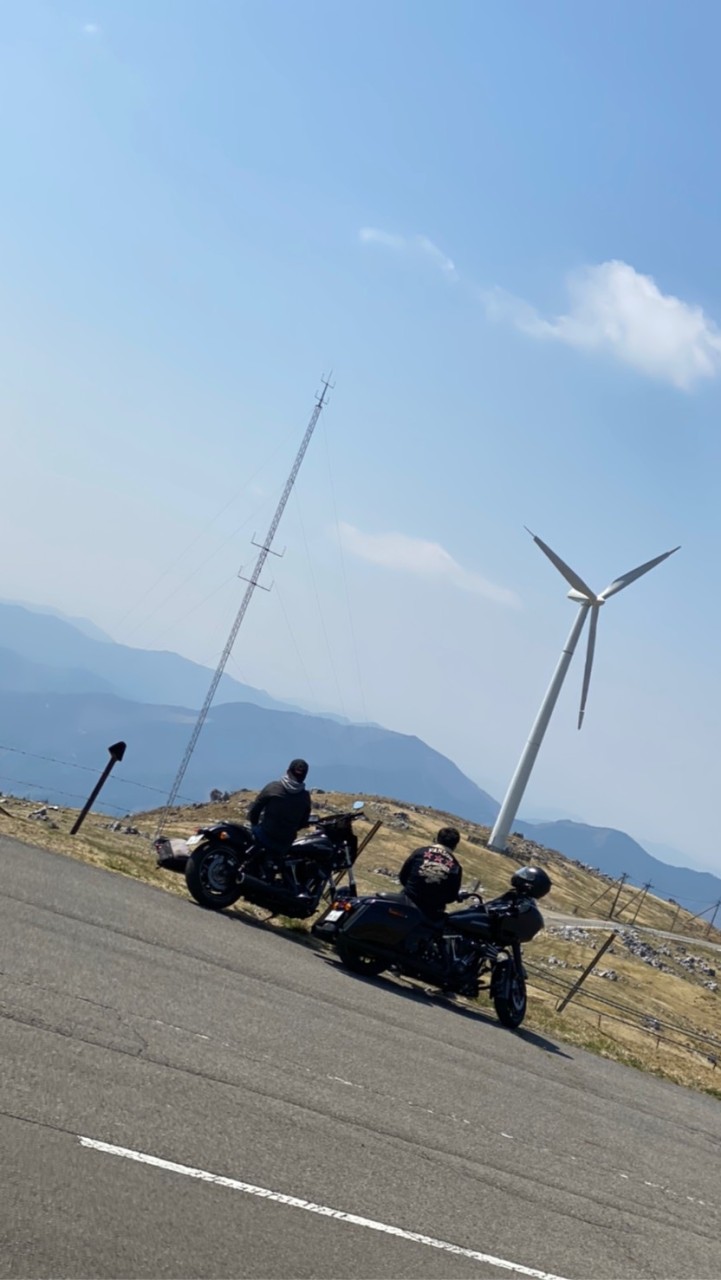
(323, 1210)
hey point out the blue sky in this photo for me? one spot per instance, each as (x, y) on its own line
(497, 222)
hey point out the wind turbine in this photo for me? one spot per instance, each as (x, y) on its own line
(589, 607)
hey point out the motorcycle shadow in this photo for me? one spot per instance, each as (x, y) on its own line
(397, 986)
(267, 924)
(407, 989)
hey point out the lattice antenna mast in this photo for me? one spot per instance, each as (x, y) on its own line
(253, 582)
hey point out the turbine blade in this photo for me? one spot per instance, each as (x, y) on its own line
(627, 578)
(568, 573)
(590, 649)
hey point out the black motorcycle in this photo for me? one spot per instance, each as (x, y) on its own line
(387, 931)
(226, 862)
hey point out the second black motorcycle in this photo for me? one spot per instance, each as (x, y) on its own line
(224, 862)
(387, 931)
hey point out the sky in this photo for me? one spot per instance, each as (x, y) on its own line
(497, 224)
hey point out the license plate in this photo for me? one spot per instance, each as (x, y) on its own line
(334, 915)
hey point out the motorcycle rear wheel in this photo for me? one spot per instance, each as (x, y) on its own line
(511, 1008)
(211, 876)
(359, 961)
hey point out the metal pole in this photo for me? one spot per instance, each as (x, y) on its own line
(265, 550)
(622, 882)
(368, 837)
(646, 888)
(117, 751)
(600, 895)
(713, 917)
(514, 795)
(560, 1007)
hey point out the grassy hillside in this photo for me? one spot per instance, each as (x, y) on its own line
(654, 1008)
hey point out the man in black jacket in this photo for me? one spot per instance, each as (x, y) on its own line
(431, 876)
(281, 809)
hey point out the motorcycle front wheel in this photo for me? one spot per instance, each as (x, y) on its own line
(211, 874)
(358, 961)
(511, 1005)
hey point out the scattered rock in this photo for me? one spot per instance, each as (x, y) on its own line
(399, 820)
(570, 933)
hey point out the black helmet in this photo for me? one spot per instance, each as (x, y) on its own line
(298, 769)
(532, 881)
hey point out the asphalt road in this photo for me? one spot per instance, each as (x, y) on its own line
(162, 1035)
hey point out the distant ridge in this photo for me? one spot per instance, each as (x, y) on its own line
(242, 745)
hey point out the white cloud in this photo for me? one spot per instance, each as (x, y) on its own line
(425, 559)
(613, 308)
(91, 29)
(372, 235)
(420, 245)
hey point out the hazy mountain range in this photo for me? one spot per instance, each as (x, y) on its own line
(67, 691)
(615, 852)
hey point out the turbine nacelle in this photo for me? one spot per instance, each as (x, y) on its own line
(582, 594)
(573, 594)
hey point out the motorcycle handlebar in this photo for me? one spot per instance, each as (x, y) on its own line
(330, 818)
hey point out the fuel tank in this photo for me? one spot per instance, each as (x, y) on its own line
(499, 925)
(314, 842)
(471, 921)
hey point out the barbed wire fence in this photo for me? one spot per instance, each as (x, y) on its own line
(47, 789)
(608, 1010)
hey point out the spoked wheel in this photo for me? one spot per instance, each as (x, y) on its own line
(359, 961)
(211, 874)
(511, 1005)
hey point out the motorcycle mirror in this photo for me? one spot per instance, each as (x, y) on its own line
(359, 804)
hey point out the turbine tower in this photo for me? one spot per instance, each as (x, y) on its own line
(265, 549)
(589, 607)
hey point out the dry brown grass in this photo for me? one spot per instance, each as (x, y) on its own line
(677, 999)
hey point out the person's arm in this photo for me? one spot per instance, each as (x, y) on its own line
(405, 871)
(457, 882)
(452, 887)
(257, 806)
(304, 823)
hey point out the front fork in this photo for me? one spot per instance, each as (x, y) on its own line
(504, 967)
(331, 888)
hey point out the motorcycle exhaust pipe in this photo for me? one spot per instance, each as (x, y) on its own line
(254, 885)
